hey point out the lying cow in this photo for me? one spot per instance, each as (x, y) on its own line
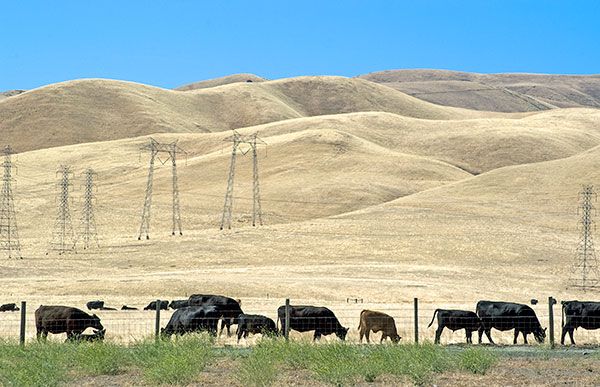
(584, 314)
(454, 320)
(152, 306)
(230, 308)
(176, 304)
(97, 304)
(505, 316)
(9, 308)
(193, 319)
(60, 319)
(125, 307)
(255, 323)
(312, 318)
(98, 335)
(376, 321)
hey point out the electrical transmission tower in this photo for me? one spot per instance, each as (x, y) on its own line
(156, 149)
(63, 238)
(88, 233)
(252, 141)
(9, 235)
(585, 270)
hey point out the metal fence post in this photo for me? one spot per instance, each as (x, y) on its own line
(416, 303)
(286, 331)
(157, 322)
(23, 321)
(551, 302)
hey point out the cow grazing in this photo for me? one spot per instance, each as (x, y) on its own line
(60, 319)
(584, 314)
(98, 335)
(125, 307)
(193, 319)
(505, 316)
(176, 304)
(97, 304)
(107, 308)
(255, 323)
(9, 308)
(229, 308)
(164, 305)
(312, 318)
(376, 321)
(455, 320)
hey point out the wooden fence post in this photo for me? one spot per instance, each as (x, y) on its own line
(416, 307)
(286, 331)
(551, 302)
(157, 322)
(23, 321)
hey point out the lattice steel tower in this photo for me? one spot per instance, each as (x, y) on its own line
(252, 141)
(63, 237)
(585, 270)
(89, 232)
(9, 234)
(171, 150)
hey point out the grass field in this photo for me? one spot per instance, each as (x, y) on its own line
(194, 360)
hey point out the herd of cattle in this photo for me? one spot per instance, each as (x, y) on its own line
(203, 312)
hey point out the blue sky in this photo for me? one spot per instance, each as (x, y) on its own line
(169, 43)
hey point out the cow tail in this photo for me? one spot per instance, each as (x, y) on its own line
(433, 318)
(360, 320)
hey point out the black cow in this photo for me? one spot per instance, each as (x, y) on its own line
(255, 323)
(164, 305)
(9, 308)
(193, 319)
(125, 307)
(176, 304)
(584, 314)
(107, 308)
(312, 318)
(59, 319)
(98, 335)
(97, 304)
(454, 320)
(505, 316)
(230, 309)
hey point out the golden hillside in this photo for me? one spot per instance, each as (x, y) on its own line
(99, 110)
(235, 78)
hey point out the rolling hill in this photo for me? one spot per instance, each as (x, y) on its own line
(234, 78)
(494, 92)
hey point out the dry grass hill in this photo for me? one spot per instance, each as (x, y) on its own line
(494, 92)
(366, 192)
(235, 78)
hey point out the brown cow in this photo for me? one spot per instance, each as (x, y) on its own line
(376, 321)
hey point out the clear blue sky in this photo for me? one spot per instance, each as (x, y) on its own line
(169, 43)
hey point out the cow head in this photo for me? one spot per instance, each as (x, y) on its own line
(341, 332)
(95, 323)
(540, 334)
(396, 338)
(99, 334)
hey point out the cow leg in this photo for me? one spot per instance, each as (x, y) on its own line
(562, 336)
(516, 336)
(438, 334)
(488, 333)
(367, 333)
(469, 335)
(383, 337)
(317, 336)
(239, 334)
(525, 337)
(571, 336)
(361, 333)
(480, 333)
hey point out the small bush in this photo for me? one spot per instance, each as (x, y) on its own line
(476, 360)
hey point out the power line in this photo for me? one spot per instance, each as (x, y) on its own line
(9, 234)
(155, 148)
(63, 238)
(252, 141)
(585, 269)
(89, 232)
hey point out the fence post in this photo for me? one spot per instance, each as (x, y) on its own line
(23, 321)
(416, 303)
(157, 322)
(286, 331)
(551, 302)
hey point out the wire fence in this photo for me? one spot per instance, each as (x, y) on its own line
(129, 326)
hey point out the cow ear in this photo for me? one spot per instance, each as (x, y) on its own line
(545, 329)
